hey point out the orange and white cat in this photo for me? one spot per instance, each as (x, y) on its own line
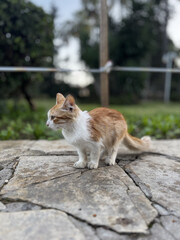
(98, 132)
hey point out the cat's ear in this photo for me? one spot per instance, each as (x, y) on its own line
(59, 98)
(69, 103)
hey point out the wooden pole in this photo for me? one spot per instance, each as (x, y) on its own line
(104, 53)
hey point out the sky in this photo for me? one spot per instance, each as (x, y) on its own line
(66, 8)
(174, 23)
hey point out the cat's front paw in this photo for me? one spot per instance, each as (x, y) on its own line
(80, 164)
(92, 165)
(110, 162)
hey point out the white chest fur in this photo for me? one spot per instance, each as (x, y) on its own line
(78, 132)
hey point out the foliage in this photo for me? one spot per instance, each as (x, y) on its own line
(26, 39)
(17, 121)
(133, 41)
(159, 127)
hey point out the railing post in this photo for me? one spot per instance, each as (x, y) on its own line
(168, 59)
(104, 81)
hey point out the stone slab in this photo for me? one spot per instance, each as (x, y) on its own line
(172, 225)
(56, 147)
(45, 147)
(5, 175)
(62, 147)
(161, 210)
(42, 224)
(37, 169)
(20, 206)
(167, 147)
(6, 171)
(15, 144)
(158, 177)
(13, 149)
(2, 206)
(85, 228)
(41, 147)
(157, 232)
(163, 147)
(105, 196)
(10, 150)
(8, 155)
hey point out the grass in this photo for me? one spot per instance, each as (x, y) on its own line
(161, 121)
(146, 108)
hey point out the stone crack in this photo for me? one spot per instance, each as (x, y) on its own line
(94, 226)
(137, 199)
(11, 167)
(138, 182)
(167, 230)
(128, 193)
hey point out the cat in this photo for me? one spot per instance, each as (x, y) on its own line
(98, 132)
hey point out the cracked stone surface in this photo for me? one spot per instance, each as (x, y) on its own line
(172, 225)
(160, 180)
(42, 196)
(6, 171)
(36, 169)
(106, 196)
(20, 206)
(11, 150)
(157, 232)
(43, 224)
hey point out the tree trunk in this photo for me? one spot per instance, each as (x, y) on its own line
(28, 98)
(164, 34)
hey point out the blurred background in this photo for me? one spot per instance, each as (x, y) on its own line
(66, 34)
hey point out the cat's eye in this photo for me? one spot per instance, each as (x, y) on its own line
(52, 117)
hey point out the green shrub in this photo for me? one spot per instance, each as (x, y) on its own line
(19, 122)
(160, 126)
(159, 121)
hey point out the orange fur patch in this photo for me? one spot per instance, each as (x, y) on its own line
(107, 124)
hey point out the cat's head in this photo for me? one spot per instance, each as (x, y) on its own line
(64, 112)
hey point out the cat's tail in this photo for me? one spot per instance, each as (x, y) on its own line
(134, 143)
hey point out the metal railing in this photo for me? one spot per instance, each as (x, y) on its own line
(107, 69)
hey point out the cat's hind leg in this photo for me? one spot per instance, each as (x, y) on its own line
(82, 162)
(103, 154)
(112, 154)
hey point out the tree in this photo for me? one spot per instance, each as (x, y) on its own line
(26, 39)
(137, 40)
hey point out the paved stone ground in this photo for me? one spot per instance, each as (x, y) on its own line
(43, 197)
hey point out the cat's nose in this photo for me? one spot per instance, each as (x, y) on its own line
(47, 124)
